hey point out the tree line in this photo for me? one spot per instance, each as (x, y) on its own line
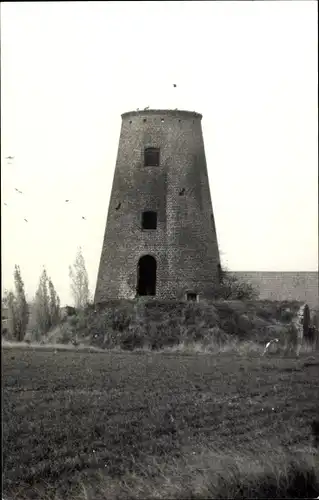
(44, 311)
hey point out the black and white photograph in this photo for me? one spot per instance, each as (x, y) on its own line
(159, 257)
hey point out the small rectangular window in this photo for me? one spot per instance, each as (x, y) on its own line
(151, 157)
(149, 220)
(191, 296)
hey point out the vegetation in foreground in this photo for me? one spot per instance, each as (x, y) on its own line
(105, 426)
(185, 326)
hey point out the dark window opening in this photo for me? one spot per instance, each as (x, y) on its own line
(146, 276)
(149, 220)
(162, 120)
(118, 206)
(191, 296)
(151, 157)
(182, 191)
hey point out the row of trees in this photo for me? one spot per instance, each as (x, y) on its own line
(44, 312)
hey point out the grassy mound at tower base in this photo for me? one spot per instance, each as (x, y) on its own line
(158, 325)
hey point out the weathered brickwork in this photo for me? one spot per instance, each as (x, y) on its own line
(274, 285)
(185, 243)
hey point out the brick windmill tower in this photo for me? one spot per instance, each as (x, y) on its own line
(160, 237)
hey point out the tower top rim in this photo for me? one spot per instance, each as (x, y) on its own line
(163, 112)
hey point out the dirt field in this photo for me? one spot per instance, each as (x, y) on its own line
(134, 424)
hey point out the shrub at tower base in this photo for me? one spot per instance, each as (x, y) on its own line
(232, 288)
(155, 324)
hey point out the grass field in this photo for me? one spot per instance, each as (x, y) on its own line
(82, 425)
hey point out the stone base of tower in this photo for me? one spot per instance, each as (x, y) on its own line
(166, 290)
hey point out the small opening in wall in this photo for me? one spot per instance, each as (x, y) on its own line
(130, 121)
(144, 120)
(151, 157)
(182, 192)
(179, 121)
(118, 206)
(162, 120)
(149, 220)
(146, 276)
(192, 296)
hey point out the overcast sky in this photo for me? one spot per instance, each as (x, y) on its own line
(68, 71)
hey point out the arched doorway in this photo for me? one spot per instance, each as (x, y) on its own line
(146, 275)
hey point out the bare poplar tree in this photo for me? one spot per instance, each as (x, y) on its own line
(42, 305)
(54, 304)
(79, 281)
(46, 304)
(22, 310)
(9, 301)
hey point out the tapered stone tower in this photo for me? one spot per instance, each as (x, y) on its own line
(160, 237)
